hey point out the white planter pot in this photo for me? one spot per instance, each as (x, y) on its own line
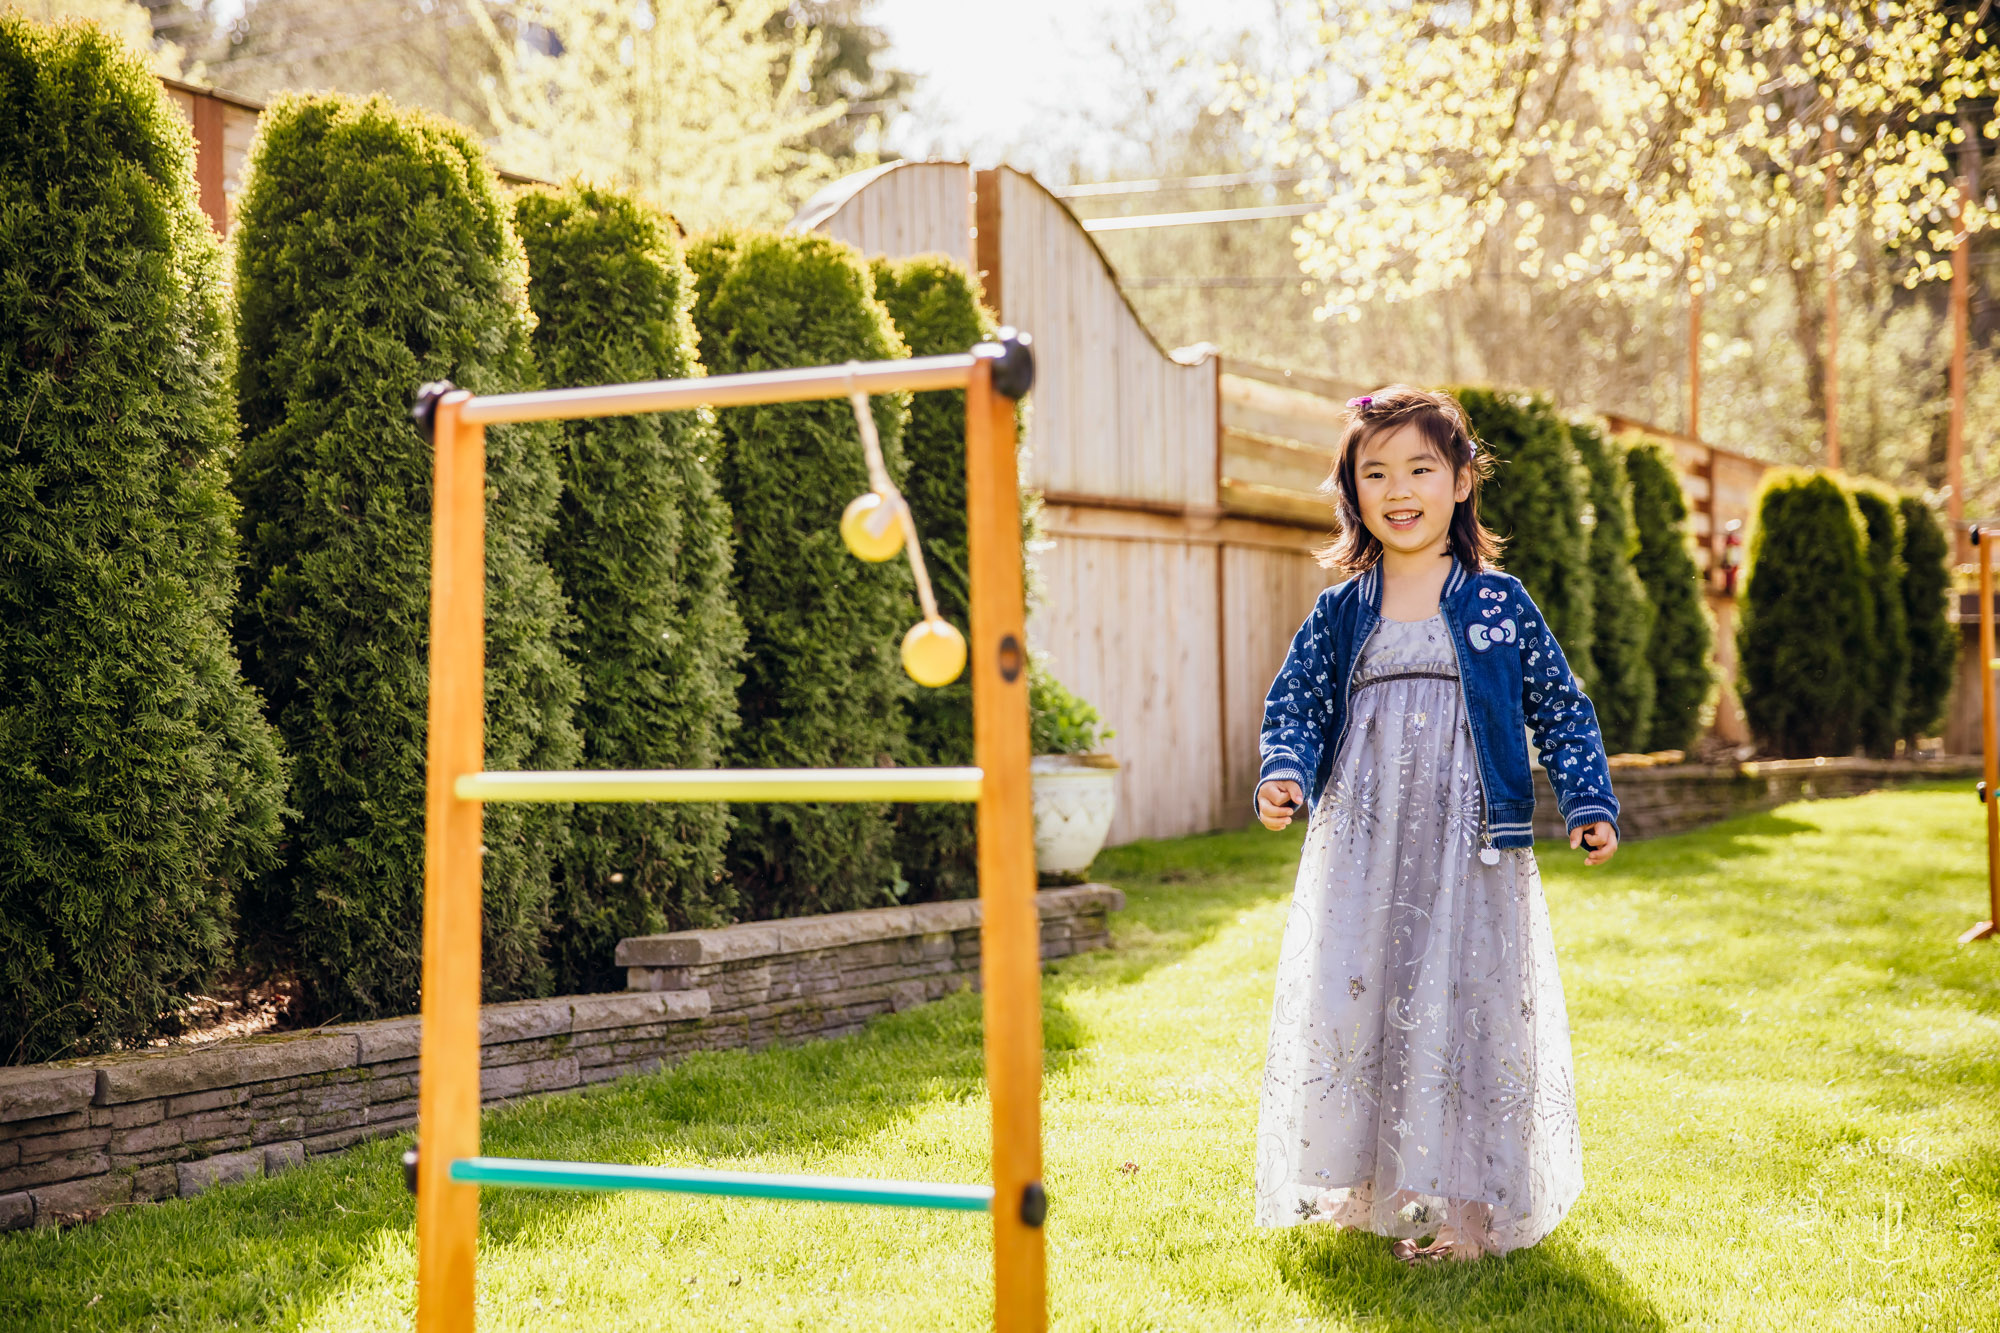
(1075, 797)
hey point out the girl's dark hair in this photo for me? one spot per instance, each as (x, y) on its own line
(1443, 423)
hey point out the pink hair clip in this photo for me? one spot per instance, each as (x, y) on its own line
(1362, 401)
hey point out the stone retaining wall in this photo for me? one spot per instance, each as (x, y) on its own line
(1675, 798)
(81, 1137)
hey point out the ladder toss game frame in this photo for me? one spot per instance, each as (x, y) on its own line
(446, 1170)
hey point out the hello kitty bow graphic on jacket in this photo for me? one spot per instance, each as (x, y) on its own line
(1482, 637)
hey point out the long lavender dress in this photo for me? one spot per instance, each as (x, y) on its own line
(1419, 1077)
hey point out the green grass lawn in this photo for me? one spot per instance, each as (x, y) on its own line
(1789, 1078)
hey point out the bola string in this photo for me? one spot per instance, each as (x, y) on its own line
(893, 503)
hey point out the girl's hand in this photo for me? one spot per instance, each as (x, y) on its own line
(1603, 840)
(1276, 802)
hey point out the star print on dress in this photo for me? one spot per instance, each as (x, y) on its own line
(1443, 1093)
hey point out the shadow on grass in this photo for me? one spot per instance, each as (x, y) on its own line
(794, 1102)
(1181, 891)
(267, 1251)
(1557, 1285)
(1699, 851)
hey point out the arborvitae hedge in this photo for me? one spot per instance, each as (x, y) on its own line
(1806, 621)
(1622, 623)
(1534, 500)
(374, 253)
(1683, 640)
(936, 310)
(1885, 676)
(641, 548)
(823, 683)
(139, 783)
(1926, 607)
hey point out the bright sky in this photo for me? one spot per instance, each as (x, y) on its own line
(994, 73)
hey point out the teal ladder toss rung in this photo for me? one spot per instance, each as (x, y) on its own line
(726, 784)
(529, 1174)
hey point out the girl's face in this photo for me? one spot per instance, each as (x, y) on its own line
(1408, 492)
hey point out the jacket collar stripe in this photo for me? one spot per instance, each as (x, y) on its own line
(1371, 584)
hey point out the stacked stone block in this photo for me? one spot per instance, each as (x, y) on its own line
(1678, 798)
(822, 976)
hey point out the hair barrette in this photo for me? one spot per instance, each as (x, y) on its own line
(1362, 401)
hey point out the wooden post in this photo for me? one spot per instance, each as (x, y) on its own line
(1694, 334)
(448, 1082)
(208, 115)
(1954, 449)
(1990, 789)
(986, 239)
(1832, 378)
(1010, 941)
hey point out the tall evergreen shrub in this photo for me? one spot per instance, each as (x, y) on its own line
(1534, 500)
(1682, 645)
(1806, 622)
(374, 253)
(822, 680)
(1622, 619)
(140, 786)
(1926, 607)
(935, 308)
(1886, 673)
(641, 548)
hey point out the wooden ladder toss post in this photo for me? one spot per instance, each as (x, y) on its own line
(448, 1076)
(1010, 937)
(1989, 790)
(444, 1169)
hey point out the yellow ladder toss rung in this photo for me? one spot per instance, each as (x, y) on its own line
(727, 784)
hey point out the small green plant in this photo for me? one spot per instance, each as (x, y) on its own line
(1535, 502)
(642, 549)
(1806, 629)
(936, 309)
(1621, 676)
(1926, 610)
(140, 786)
(1885, 678)
(1683, 638)
(823, 685)
(374, 253)
(1059, 720)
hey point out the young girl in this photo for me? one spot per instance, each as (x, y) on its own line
(1419, 1082)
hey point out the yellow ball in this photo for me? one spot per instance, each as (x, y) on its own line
(933, 653)
(870, 528)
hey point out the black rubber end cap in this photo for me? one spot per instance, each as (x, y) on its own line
(1013, 355)
(1034, 1203)
(423, 411)
(410, 1170)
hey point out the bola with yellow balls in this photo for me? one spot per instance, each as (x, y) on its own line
(871, 527)
(934, 653)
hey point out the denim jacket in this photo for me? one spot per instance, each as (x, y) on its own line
(1513, 676)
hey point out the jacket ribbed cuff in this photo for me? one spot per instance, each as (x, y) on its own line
(1580, 815)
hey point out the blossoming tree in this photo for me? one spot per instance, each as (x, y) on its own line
(1428, 130)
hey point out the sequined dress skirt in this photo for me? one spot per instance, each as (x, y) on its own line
(1419, 1075)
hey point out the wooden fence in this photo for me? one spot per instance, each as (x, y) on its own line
(1177, 566)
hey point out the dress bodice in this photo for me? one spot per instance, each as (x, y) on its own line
(1407, 648)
